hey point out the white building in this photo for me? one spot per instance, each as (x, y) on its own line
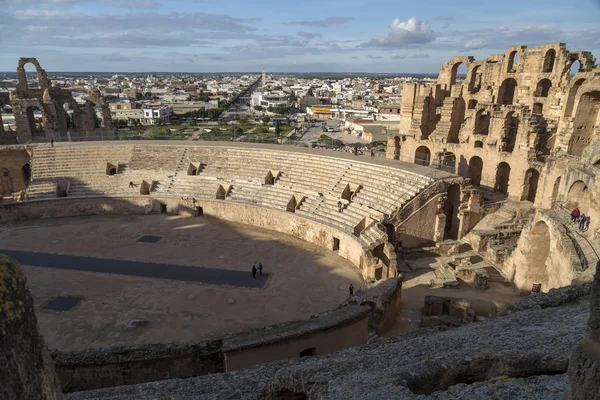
(152, 116)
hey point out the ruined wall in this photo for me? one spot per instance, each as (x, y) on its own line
(323, 334)
(13, 159)
(50, 101)
(117, 366)
(502, 123)
(544, 254)
(26, 370)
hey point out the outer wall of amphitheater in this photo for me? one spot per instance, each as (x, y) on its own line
(279, 221)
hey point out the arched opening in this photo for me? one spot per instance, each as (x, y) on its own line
(502, 178)
(458, 117)
(35, 120)
(534, 269)
(511, 127)
(572, 96)
(586, 123)
(32, 75)
(422, 156)
(530, 185)
(26, 171)
(555, 189)
(506, 93)
(451, 207)
(549, 59)
(543, 88)
(575, 68)
(475, 80)
(482, 122)
(478, 144)
(459, 73)
(69, 115)
(6, 186)
(513, 61)
(538, 108)
(579, 196)
(475, 170)
(448, 162)
(472, 104)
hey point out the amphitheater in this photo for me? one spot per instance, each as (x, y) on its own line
(136, 255)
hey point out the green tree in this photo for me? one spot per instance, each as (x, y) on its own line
(310, 92)
(259, 108)
(277, 129)
(266, 119)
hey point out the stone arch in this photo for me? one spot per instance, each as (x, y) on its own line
(549, 60)
(475, 79)
(422, 155)
(578, 196)
(22, 75)
(458, 116)
(511, 128)
(475, 170)
(35, 122)
(455, 71)
(543, 88)
(26, 172)
(451, 208)
(6, 185)
(530, 185)
(502, 177)
(448, 161)
(572, 95)
(506, 93)
(587, 118)
(555, 189)
(478, 144)
(575, 67)
(513, 61)
(482, 122)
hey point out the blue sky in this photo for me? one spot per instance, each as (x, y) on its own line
(285, 36)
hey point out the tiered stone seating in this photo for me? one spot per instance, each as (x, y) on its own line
(320, 180)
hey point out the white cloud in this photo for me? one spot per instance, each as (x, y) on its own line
(420, 55)
(398, 56)
(405, 33)
(115, 57)
(475, 44)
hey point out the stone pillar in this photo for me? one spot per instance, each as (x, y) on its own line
(440, 227)
(584, 366)
(26, 369)
(2, 133)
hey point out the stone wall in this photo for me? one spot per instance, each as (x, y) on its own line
(384, 299)
(544, 254)
(117, 366)
(12, 160)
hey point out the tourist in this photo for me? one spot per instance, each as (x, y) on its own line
(351, 290)
(260, 268)
(372, 153)
(339, 206)
(51, 142)
(575, 215)
(254, 270)
(587, 223)
(355, 151)
(582, 222)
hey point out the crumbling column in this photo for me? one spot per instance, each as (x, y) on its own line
(584, 366)
(26, 369)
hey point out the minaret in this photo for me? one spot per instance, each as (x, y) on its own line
(264, 78)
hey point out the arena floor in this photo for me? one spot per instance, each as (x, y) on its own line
(300, 279)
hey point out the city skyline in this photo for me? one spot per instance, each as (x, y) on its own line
(351, 36)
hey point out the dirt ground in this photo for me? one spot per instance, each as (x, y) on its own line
(304, 279)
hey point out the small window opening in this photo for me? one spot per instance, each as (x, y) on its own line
(336, 244)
